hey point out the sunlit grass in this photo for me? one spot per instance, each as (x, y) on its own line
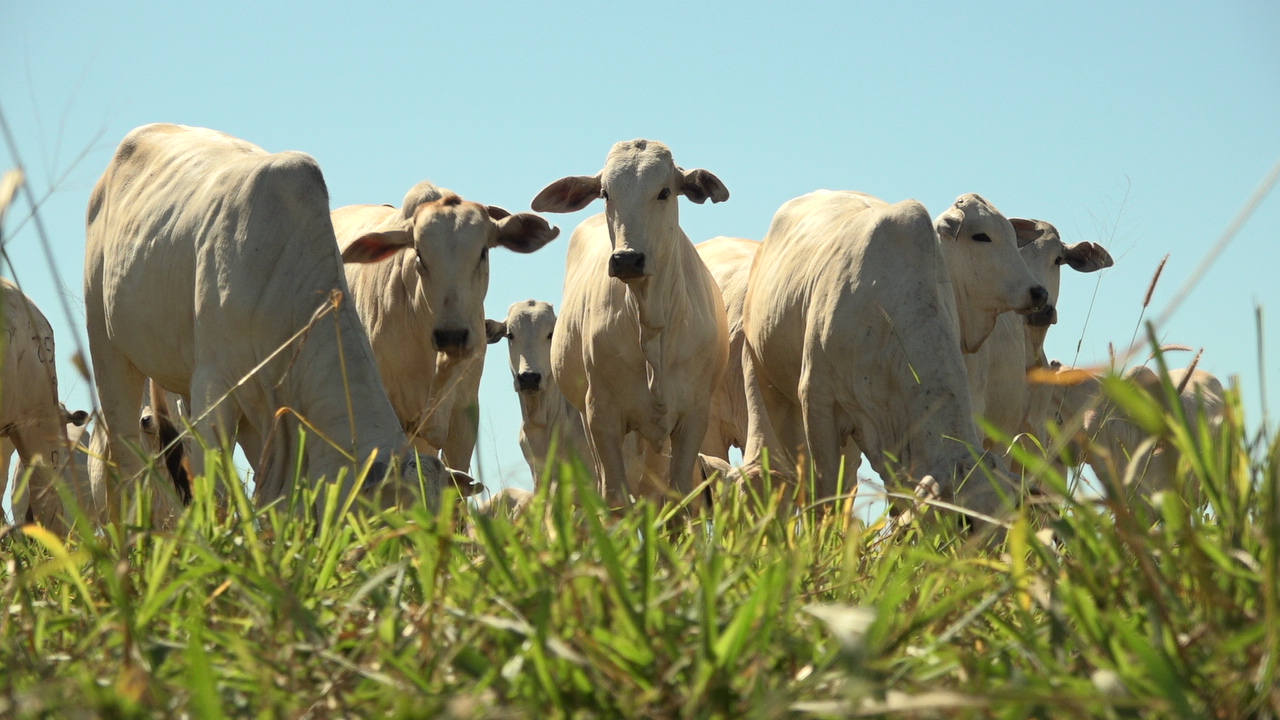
(1164, 609)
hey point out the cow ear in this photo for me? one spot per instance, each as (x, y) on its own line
(377, 246)
(523, 232)
(494, 330)
(497, 213)
(1028, 231)
(569, 194)
(77, 418)
(466, 485)
(699, 184)
(1088, 257)
(948, 225)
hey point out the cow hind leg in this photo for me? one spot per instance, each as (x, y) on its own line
(217, 424)
(120, 386)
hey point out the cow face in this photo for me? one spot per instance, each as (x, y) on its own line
(987, 273)
(450, 239)
(528, 329)
(640, 184)
(1044, 252)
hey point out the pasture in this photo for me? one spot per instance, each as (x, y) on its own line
(1169, 610)
(852, 412)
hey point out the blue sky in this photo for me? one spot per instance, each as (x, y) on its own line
(1143, 126)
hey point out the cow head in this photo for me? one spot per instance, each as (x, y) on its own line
(1044, 252)
(987, 273)
(528, 330)
(639, 184)
(450, 238)
(421, 477)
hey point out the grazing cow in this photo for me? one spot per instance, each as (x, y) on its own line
(418, 275)
(211, 267)
(1113, 444)
(545, 413)
(998, 371)
(642, 339)
(31, 418)
(855, 317)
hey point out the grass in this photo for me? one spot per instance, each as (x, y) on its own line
(1169, 609)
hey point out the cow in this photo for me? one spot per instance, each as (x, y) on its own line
(855, 318)
(212, 268)
(418, 275)
(642, 339)
(1099, 432)
(509, 502)
(546, 415)
(998, 370)
(32, 421)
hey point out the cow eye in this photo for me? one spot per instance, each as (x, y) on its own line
(1060, 261)
(484, 254)
(666, 193)
(604, 194)
(422, 264)
(981, 237)
(550, 334)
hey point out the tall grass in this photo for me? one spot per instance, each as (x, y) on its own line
(1130, 609)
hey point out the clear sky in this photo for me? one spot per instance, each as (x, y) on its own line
(1143, 126)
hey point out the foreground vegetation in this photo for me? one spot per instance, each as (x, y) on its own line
(1127, 609)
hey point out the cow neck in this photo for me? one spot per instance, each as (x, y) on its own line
(660, 301)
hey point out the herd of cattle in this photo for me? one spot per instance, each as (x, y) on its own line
(218, 280)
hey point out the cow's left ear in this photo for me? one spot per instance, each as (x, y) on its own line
(377, 246)
(1088, 257)
(699, 184)
(1028, 231)
(948, 224)
(77, 418)
(497, 213)
(523, 232)
(466, 485)
(494, 330)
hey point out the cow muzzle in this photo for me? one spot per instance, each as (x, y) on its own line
(452, 342)
(1039, 298)
(1044, 317)
(529, 382)
(626, 265)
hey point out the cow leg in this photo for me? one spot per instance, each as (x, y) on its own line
(218, 427)
(6, 455)
(120, 386)
(686, 439)
(822, 438)
(606, 433)
(464, 425)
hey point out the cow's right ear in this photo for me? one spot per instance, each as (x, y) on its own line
(569, 194)
(494, 330)
(1028, 231)
(377, 246)
(77, 418)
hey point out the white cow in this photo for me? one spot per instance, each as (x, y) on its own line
(1113, 444)
(998, 370)
(208, 262)
(854, 326)
(31, 418)
(642, 339)
(546, 414)
(419, 274)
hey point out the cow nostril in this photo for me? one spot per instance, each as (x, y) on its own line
(626, 264)
(529, 381)
(447, 340)
(1039, 296)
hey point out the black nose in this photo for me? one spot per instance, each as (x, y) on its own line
(529, 381)
(1039, 296)
(626, 264)
(1044, 317)
(450, 341)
